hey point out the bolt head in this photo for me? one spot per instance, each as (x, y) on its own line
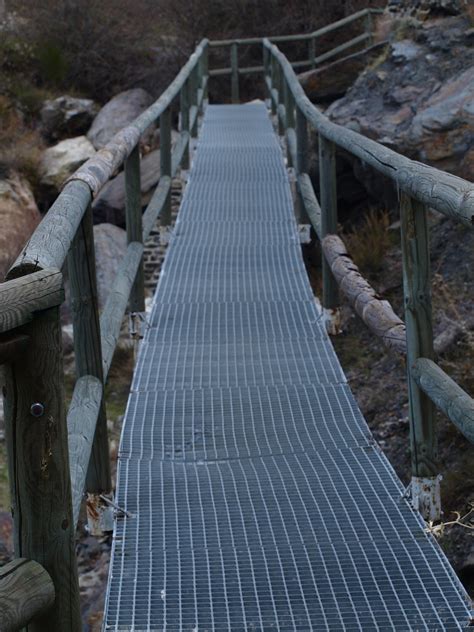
(37, 409)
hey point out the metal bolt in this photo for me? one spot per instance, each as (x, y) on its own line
(37, 409)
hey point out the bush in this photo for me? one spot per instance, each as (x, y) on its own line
(368, 243)
(95, 47)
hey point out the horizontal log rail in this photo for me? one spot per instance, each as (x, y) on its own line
(26, 592)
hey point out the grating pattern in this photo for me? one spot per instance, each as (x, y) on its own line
(256, 498)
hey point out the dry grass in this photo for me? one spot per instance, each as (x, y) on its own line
(368, 243)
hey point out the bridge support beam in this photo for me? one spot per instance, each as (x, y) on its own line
(417, 298)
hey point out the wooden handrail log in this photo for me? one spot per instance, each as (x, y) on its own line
(446, 395)
(116, 304)
(442, 191)
(21, 298)
(81, 421)
(310, 202)
(376, 313)
(26, 591)
(100, 168)
(155, 206)
(299, 37)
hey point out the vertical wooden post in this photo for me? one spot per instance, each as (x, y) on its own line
(133, 214)
(234, 64)
(165, 161)
(273, 76)
(200, 75)
(184, 107)
(193, 88)
(368, 27)
(289, 115)
(87, 343)
(419, 332)
(279, 86)
(328, 194)
(312, 51)
(205, 71)
(301, 159)
(39, 468)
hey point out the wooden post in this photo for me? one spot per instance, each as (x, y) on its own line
(273, 77)
(165, 160)
(289, 114)
(26, 591)
(234, 64)
(418, 320)
(184, 107)
(328, 196)
(37, 444)
(279, 86)
(301, 160)
(87, 343)
(312, 51)
(205, 72)
(193, 99)
(133, 212)
(368, 28)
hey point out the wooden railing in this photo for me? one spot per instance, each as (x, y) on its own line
(54, 455)
(363, 17)
(420, 187)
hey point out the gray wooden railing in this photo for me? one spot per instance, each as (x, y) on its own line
(420, 187)
(55, 455)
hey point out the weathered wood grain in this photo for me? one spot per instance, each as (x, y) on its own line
(291, 146)
(155, 206)
(49, 244)
(21, 298)
(310, 202)
(133, 216)
(116, 305)
(87, 342)
(234, 64)
(184, 109)
(11, 346)
(328, 193)
(84, 410)
(165, 162)
(39, 468)
(376, 313)
(180, 154)
(445, 394)
(419, 332)
(26, 591)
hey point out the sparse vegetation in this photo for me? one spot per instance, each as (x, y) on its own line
(368, 242)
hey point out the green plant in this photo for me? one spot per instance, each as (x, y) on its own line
(369, 242)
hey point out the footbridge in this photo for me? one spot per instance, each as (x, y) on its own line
(250, 493)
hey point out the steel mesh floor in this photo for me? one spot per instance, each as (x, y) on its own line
(256, 498)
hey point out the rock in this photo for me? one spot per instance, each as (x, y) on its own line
(60, 161)
(426, 7)
(109, 206)
(67, 116)
(331, 81)
(19, 216)
(418, 101)
(110, 246)
(117, 113)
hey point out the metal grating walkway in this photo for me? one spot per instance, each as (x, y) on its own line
(257, 498)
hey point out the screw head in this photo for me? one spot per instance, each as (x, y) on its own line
(37, 409)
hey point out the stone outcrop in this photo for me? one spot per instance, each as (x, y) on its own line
(109, 206)
(418, 100)
(331, 81)
(19, 216)
(67, 116)
(61, 160)
(117, 113)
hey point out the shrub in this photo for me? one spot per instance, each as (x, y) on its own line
(368, 243)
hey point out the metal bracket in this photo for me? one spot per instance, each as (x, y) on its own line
(426, 496)
(165, 235)
(304, 231)
(332, 320)
(100, 514)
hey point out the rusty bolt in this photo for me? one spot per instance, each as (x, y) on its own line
(37, 409)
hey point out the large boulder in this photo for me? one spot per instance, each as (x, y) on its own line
(331, 81)
(19, 217)
(61, 160)
(67, 116)
(418, 100)
(110, 245)
(109, 206)
(116, 114)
